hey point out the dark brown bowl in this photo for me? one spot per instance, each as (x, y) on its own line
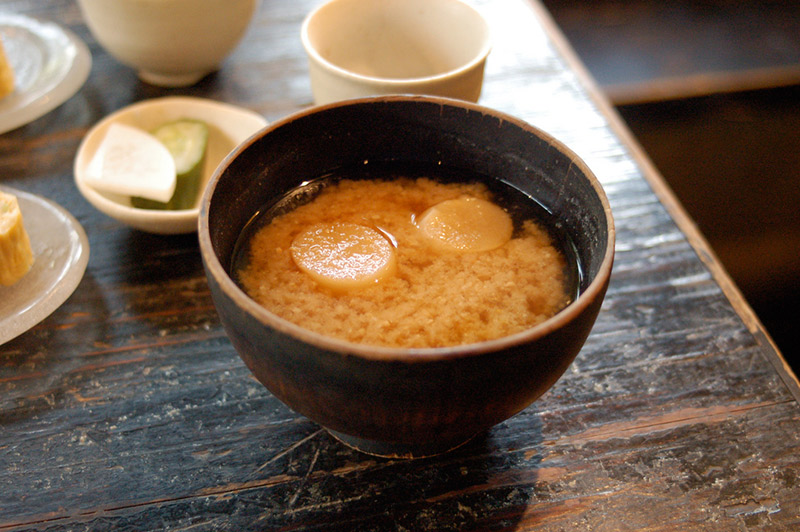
(392, 401)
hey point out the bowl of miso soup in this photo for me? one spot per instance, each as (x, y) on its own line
(406, 271)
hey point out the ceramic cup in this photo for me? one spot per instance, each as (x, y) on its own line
(170, 43)
(360, 48)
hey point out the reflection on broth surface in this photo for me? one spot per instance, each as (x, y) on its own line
(356, 259)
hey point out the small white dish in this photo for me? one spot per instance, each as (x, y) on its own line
(228, 127)
(50, 65)
(60, 254)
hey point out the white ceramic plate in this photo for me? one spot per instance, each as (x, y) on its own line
(50, 64)
(60, 251)
(228, 127)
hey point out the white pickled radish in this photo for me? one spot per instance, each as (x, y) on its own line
(132, 162)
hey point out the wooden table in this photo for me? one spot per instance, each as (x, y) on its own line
(128, 409)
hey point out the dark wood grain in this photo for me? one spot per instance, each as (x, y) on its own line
(128, 409)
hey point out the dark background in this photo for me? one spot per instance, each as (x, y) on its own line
(711, 90)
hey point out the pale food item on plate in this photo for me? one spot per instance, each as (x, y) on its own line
(16, 256)
(132, 162)
(187, 141)
(6, 73)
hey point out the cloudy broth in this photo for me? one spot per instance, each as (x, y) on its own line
(521, 207)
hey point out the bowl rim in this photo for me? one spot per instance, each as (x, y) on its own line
(150, 220)
(472, 64)
(214, 268)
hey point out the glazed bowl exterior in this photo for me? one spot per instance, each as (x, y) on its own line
(394, 401)
(359, 48)
(171, 43)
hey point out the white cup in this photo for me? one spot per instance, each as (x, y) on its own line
(360, 48)
(170, 43)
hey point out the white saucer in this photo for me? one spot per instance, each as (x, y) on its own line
(228, 127)
(60, 251)
(50, 64)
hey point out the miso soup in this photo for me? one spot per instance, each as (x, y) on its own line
(402, 256)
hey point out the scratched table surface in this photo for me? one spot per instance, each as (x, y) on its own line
(128, 409)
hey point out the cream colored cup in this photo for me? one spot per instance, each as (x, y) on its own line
(362, 48)
(170, 43)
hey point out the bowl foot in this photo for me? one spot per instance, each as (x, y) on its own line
(171, 80)
(398, 450)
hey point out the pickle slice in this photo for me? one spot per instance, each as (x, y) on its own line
(187, 141)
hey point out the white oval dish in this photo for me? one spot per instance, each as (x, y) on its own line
(228, 127)
(60, 255)
(50, 64)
